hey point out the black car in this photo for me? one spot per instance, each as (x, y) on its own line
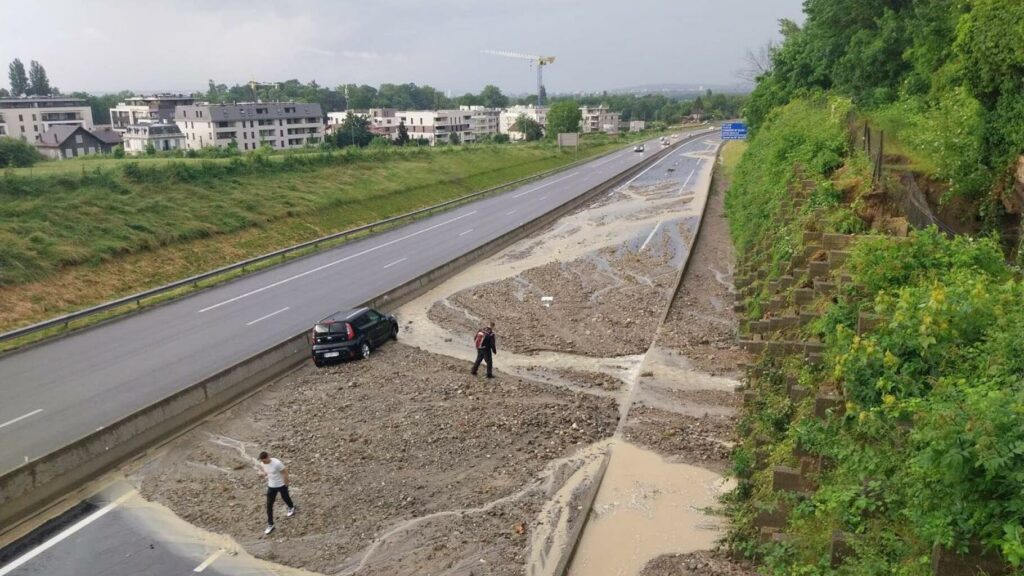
(351, 334)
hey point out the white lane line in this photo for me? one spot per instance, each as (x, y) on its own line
(510, 213)
(666, 157)
(615, 156)
(62, 536)
(687, 183)
(206, 563)
(22, 417)
(466, 232)
(260, 319)
(338, 261)
(651, 235)
(545, 185)
(544, 197)
(386, 266)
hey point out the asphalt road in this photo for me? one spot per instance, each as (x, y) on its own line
(55, 393)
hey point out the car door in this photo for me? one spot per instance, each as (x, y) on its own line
(378, 326)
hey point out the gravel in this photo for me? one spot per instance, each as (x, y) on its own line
(371, 444)
(696, 564)
(701, 441)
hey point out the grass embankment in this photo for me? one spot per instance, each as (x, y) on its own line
(107, 228)
(926, 448)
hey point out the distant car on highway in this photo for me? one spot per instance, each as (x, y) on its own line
(638, 148)
(351, 334)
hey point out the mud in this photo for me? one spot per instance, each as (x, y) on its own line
(405, 437)
(696, 564)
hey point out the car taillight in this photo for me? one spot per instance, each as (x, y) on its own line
(348, 330)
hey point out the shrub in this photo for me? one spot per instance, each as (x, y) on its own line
(17, 153)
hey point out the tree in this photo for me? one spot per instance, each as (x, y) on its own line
(19, 80)
(564, 116)
(353, 131)
(528, 127)
(403, 134)
(454, 139)
(38, 82)
(4, 93)
(492, 97)
(17, 153)
(757, 62)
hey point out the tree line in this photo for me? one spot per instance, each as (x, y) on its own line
(33, 83)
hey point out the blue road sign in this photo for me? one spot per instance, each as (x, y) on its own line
(734, 131)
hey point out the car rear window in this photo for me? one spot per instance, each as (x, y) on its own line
(332, 328)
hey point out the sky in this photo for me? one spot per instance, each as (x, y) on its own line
(177, 45)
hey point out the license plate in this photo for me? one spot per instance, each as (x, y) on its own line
(331, 354)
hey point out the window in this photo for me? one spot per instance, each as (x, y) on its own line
(33, 117)
(78, 138)
(20, 118)
(35, 128)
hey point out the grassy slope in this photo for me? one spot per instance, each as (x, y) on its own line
(77, 242)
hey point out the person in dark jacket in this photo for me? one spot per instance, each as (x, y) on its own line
(485, 347)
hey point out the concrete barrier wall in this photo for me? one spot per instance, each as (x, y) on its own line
(30, 489)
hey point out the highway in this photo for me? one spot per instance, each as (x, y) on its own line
(60, 391)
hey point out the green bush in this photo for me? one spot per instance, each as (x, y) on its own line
(16, 153)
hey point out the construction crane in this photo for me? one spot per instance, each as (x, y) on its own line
(540, 61)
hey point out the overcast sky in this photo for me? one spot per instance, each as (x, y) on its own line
(145, 45)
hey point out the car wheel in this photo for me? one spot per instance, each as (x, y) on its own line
(394, 331)
(364, 350)
(318, 362)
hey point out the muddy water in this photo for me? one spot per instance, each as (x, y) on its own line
(647, 507)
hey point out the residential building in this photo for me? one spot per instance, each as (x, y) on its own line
(162, 136)
(249, 125)
(437, 126)
(383, 121)
(147, 109)
(28, 118)
(484, 121)
(70, 141)
(599, 119)
(3, 126)
(507, 118)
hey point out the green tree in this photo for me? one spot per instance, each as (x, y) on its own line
(454, 139)
(17, 153)
(403, 134)
(353, 131)
(492, 97)
(563, 116)
(18, 78)
(38, 82)
(530, 128)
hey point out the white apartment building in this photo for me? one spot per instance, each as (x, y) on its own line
(507, 118)
(599, 119)
(484, 120)
(147, 109)
(162, 136)
(383, 121)
(280, 125)
(27, 118)
(436, 126)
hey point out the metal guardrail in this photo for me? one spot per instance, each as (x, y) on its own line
(194, 280)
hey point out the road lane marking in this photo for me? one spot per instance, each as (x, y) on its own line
(651, 235)
(466, 232)
(22, 417)
(510, 213)
(268, 316)
(615, 156)
(206, 563)
(666, 157)
(386, 266)
(338, 261)
(545, 185)
(27, 557)
(687, 183)
(544, 197)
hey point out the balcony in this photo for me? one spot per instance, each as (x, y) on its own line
(61, 117)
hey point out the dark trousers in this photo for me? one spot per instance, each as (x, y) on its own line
(482, 355)
(271, 496)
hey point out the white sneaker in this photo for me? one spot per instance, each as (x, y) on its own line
(291, 512)
(269, 529)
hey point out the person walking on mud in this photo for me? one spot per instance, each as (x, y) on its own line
(485, 348)
(277, 483)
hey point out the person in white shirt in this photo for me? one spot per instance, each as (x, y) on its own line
(277, 482)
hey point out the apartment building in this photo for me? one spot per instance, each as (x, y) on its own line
(599, 119)
(280, 125)
(162, 136)
(147, 109)
(29, 117)
(383, 121)
(437, 126)
(507, 118)
(484, 120)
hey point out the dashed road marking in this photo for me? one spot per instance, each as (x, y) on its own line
(262, 318)
(400, 260)
(206, 563)
(22, 417)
